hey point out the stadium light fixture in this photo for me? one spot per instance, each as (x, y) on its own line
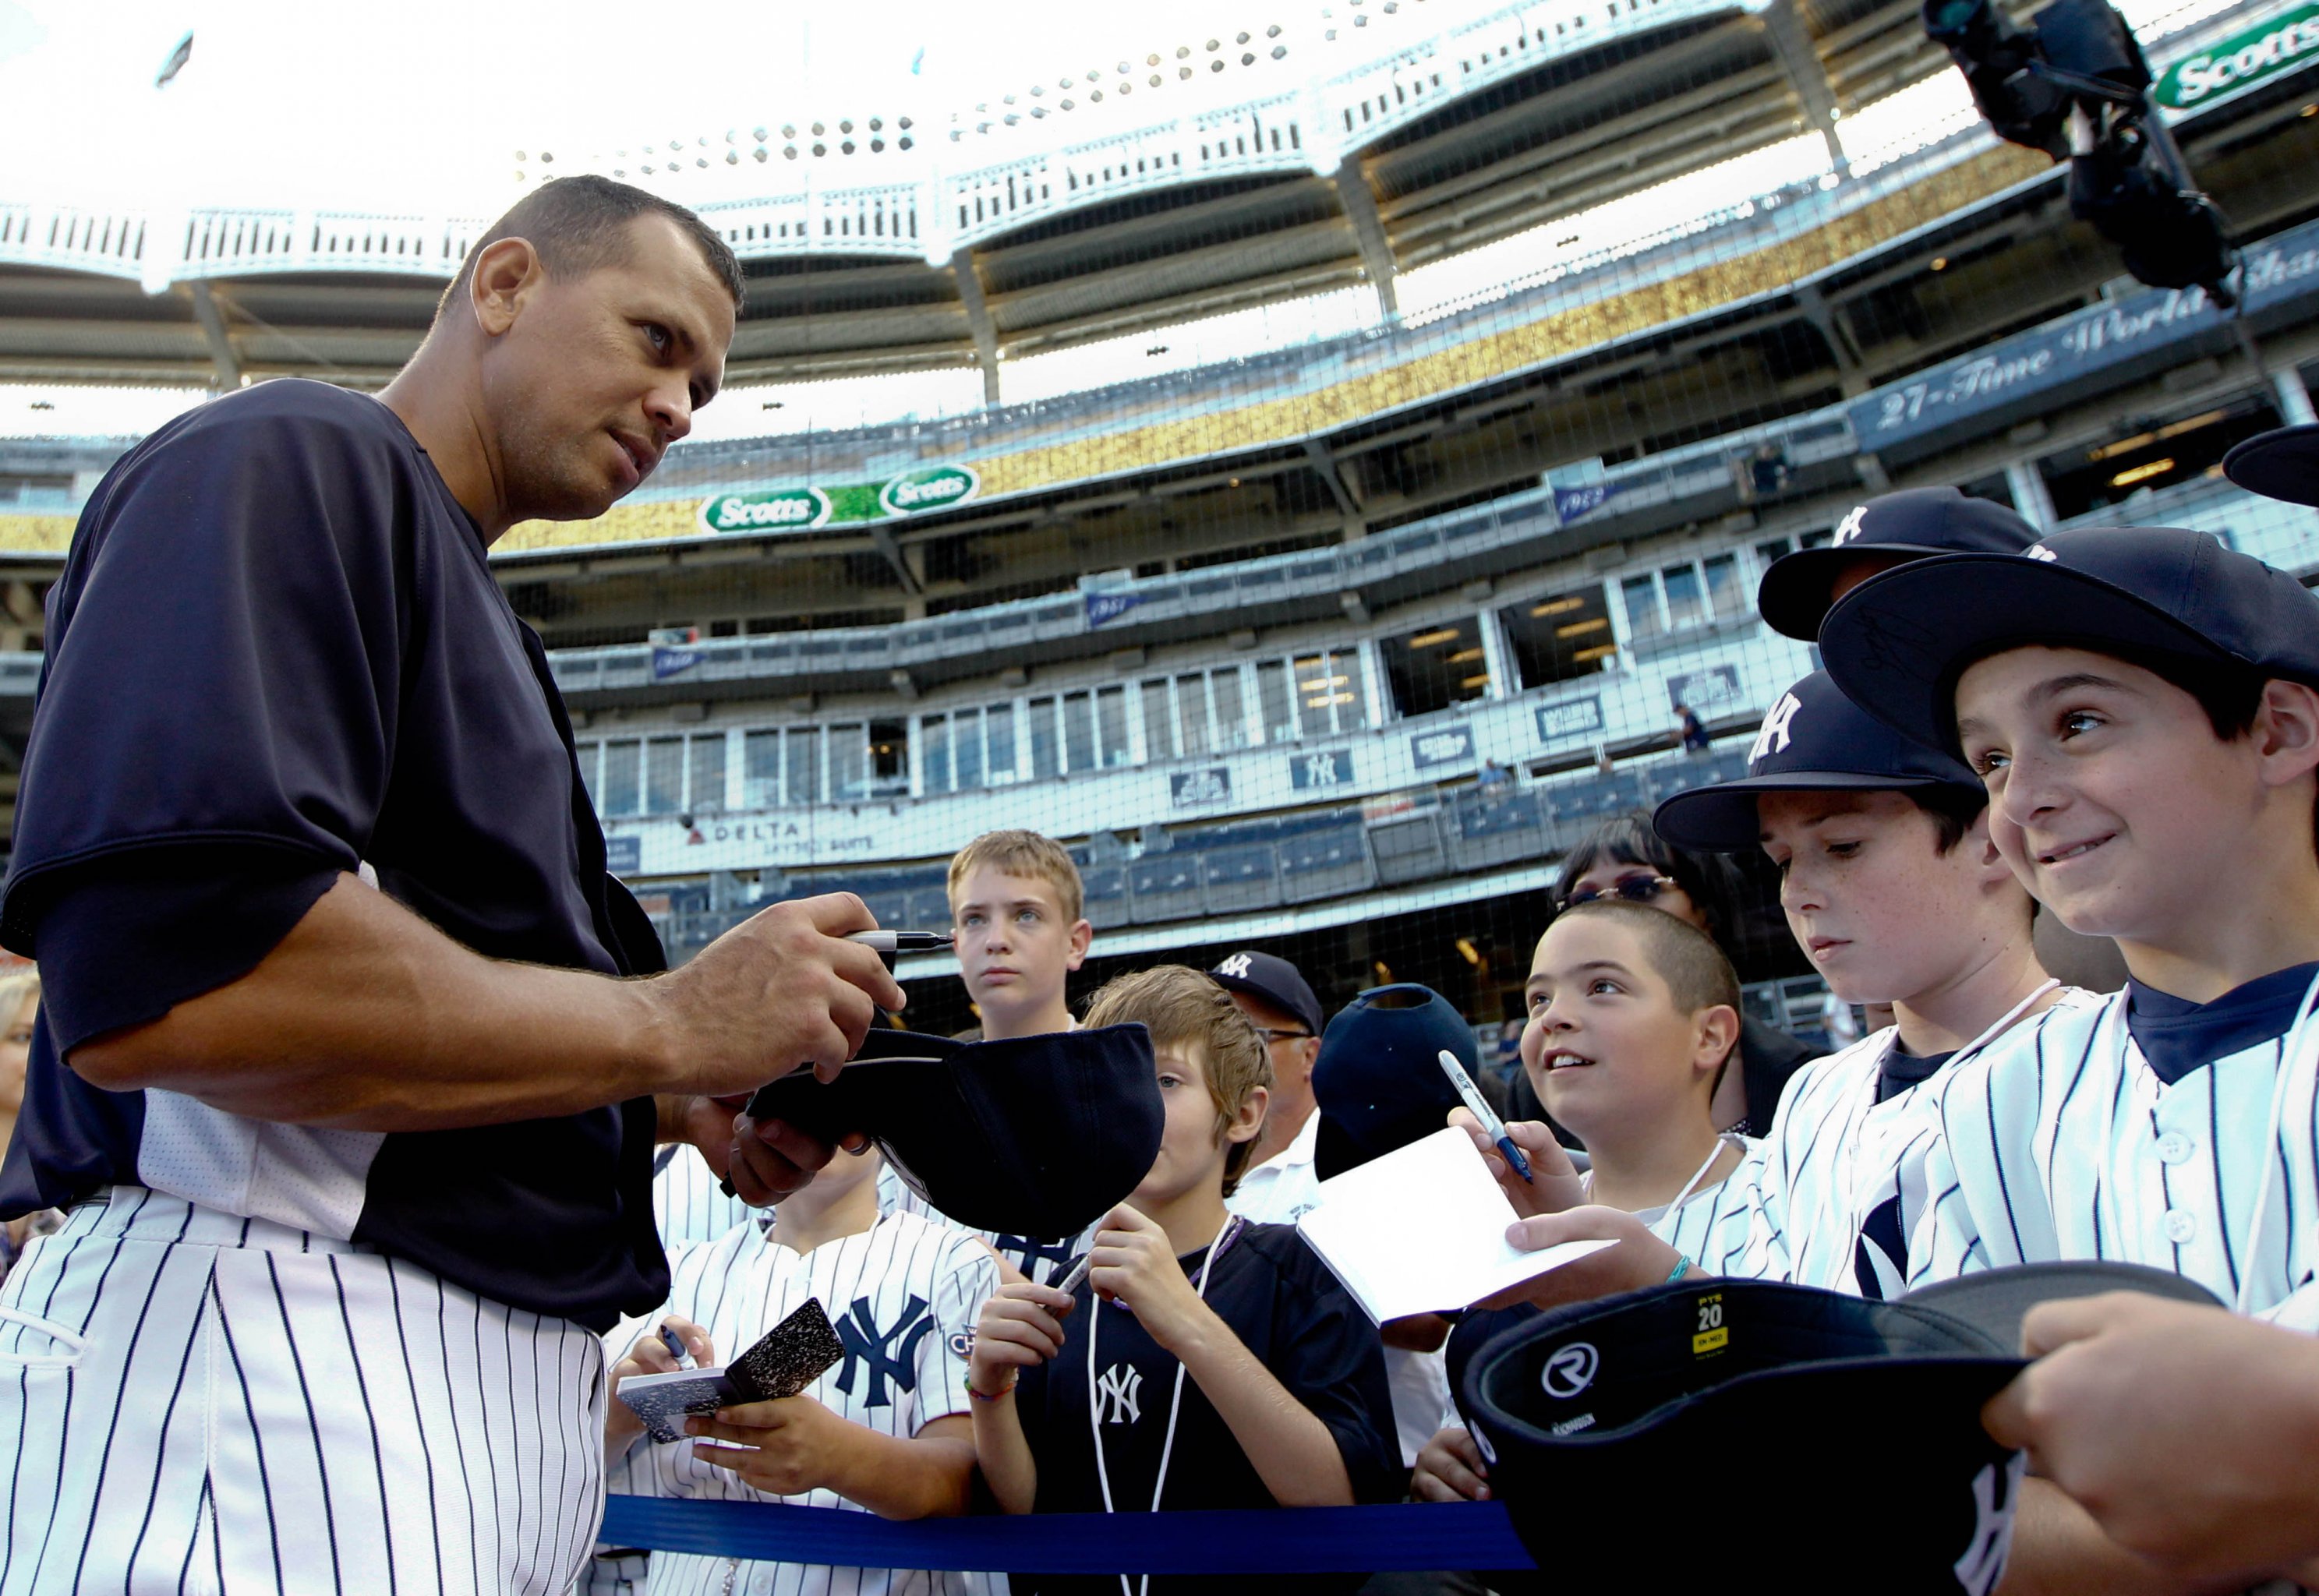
(1580, 628)
(1555, 607)
(1434, 639)
(1600, 651)
(2140, 473)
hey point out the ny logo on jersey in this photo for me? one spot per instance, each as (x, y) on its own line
(1042, 1261)
(1848, 528)
(1237, 965)
(887, 1354)
(1778, 726)
(1994, 1497)
(1115, 1395)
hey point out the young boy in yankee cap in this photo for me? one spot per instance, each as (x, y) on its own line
(1893, 890)
(2143, 707)
(1240, 1373)
(2141, 704)
(1014, 906)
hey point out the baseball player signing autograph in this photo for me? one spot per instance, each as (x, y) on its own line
(356, 1174)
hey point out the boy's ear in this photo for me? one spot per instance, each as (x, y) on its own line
(2287, 730)
(1718, 1034)
(1082, 935)
(1981, 848)
(1250, 1119)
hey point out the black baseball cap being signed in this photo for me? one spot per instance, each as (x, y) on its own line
(1814, 740)
(1033, 1136)
(1794, 598)
(1859, 1421)
(1897, 644)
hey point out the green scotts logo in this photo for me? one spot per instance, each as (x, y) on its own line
(930, 488)
(781, 509)
(2276, 46)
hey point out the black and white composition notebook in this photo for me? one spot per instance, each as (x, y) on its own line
(789, 1357)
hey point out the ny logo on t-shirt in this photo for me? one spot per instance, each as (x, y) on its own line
(887, 1354)
(1849, 527)
(1995, 1495)
(1115, 1395)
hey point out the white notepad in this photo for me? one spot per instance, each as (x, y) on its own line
(1423, 1230)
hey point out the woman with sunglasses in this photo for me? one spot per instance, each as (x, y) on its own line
(1624, 858)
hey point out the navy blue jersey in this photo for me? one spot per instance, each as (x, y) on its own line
(1285, 1307)
(277, 653)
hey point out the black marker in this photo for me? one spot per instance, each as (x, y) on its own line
(901, 942)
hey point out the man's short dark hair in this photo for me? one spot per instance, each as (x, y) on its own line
(1708, 879)
(581, 224)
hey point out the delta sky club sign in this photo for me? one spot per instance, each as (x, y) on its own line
(802, 508)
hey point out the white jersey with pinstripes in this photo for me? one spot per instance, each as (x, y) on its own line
(690, 1209)
(904, 1295)
(1707, 1213)
(193, 1401)
(2061, 1143)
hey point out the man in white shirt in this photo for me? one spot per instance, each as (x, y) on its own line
(1280, 1183)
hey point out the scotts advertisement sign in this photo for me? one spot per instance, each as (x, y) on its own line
(2276, 46)
(800, 509)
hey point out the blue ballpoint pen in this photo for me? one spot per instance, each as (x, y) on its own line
(1478, 1106)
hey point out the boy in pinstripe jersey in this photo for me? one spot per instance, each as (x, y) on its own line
(2143, 703)
(885, 1430)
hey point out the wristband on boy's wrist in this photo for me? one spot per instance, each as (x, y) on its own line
(1682, 1265)
(991, 1396)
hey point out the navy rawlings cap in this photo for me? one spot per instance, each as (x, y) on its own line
(1860, 1420)
(1379, 1080)
(1814, 740)
(1273, 979)
(2283, 464)
(1897, 644)
(1910, 524)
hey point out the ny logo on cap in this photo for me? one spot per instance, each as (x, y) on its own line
(1848, 528)
(2038, 550)
(1237, 965)
(1115, 1395)
(1995, 1496)
(1777, 726)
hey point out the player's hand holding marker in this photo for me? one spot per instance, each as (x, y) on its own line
(784, 991)
(1450, 1469)
(1554, 1208)
(1021, 1327)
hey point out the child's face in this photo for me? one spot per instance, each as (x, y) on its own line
(1883, 915)
(1191, 1154)
(1606, 1048)
(1014, 948)
(2109, 794)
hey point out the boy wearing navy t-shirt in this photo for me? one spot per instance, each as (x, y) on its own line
(1240, 1373)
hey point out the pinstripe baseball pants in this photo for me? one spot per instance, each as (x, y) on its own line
(195, 1402)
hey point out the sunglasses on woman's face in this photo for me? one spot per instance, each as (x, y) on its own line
(1626, 889)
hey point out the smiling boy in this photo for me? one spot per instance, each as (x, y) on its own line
(2140, 702)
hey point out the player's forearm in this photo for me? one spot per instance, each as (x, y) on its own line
(927, 1476)
(365, 1017)
(1292, 1451)
(1004, 1455)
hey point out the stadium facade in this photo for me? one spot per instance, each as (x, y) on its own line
(1351, 633)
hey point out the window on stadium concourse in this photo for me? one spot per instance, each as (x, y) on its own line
(1436, 666)
(1558, 636)
(2146, 454)
(1679, 597)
